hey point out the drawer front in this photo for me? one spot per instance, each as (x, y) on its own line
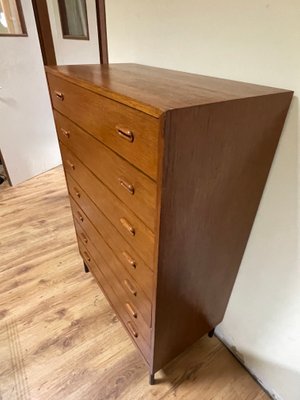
(132, 325)
(129, 184)
(129, 258)
(128, 224)
(134, 294)
(133, 264)
(106, 120)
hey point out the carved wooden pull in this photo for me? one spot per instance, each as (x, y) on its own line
(70, 164)
(125, 133)
(127, 226)
(129, 259)
(128, 186)
(84, 238)
(77, 193)
(87, 257)
(129, 286)
(132, 329)
(59, 95)
(80, 216)
(65, 132)
(131, 310)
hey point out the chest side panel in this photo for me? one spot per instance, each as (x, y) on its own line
(216, 162)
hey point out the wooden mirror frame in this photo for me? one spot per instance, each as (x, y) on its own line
(65, 25)
(22, 22)
(45, 36)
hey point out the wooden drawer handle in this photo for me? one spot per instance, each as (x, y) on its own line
(77, 193)
(84, 238)
(87, 257)
(65, 132)
(129, 286)
(132, 329)
(129, 259)
(125, 133)
(59, 95)
(127, 226)
(70, 164)
(131, 310)
(80, 216)
(128, 186)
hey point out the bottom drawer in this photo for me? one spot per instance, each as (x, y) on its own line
(133, 327)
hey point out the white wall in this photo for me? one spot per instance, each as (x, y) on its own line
(70, 51)
(255, 41)
(27, 133)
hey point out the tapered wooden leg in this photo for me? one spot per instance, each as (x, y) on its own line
(211, 333)
(151, 379)
(86, 268)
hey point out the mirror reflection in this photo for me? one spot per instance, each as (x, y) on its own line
(73, 16)
(11, 18)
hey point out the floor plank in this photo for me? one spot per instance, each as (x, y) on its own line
(59, 338)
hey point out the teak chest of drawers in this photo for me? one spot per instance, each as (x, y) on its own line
(165, 171)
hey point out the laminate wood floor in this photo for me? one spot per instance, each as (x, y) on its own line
(59, 338)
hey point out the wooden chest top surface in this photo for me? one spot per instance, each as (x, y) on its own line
(156, 90)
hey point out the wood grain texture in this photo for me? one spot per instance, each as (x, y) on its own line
(81, 181)
(111, 169)
(102, 31)
(141, 273)
(156, 90)
(209, 149)
(212, 183)
(92, 240)
(114, 293)
(100, 117)
(68, 343)
(42, 20)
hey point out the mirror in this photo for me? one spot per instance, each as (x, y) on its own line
(73, 16)
(11, 18)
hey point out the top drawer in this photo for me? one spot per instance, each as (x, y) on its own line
(131, 133)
